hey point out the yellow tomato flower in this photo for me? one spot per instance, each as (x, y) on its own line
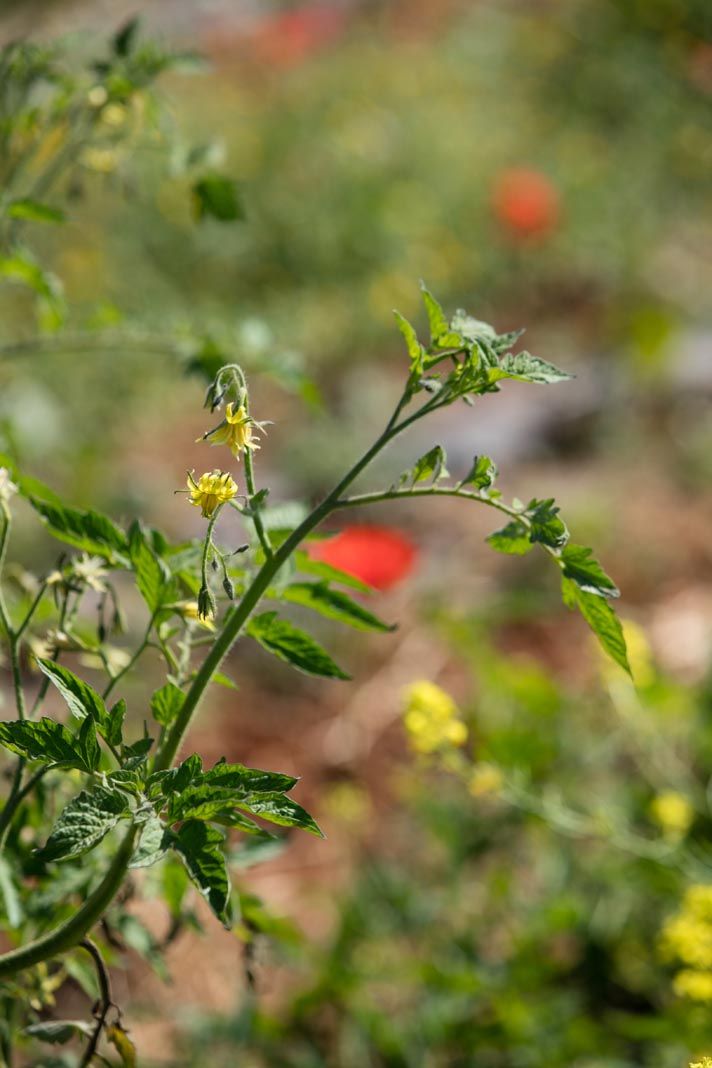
(673, 813)
(236, 431)
(212, 489)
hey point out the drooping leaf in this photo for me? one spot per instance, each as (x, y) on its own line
(276, 808)
(84, 822)
(166, 703)
(547, 527)
(321, 569)
(151, 574)
(512, 539)
(113, 732)
(216, 196)
(527, 368)
(82, 699)
(601, 618)
(293, 645)
(85, 529)
(580, 565)
(48, 741)
(482, 474)
(201, 849)
(59, 1032)
(333, 604)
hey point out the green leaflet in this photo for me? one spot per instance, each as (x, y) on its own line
(84, 822)
(166, 703)
(201, 849)
(429, 466)
(547, 527)
(441, 335)
(153, 843)
(513, 539)
(333, 604)
(297, 648)
(217, 197)
(251, 780)
(527, 368)
(84, 529)
(472, 329)
(52, 743)
(276, 808)
(82, 699)
(482, 474)
(415, 349)
(152, 579)
(601, 618)
(580, 565)
(113, 733)
(322, 570)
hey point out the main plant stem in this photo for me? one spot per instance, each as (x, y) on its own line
(69, 934)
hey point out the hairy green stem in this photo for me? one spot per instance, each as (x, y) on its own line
(73, 930)
(240, 614)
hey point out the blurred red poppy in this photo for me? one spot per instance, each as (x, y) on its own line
(291, 37)
(377, 555)
(526, 203)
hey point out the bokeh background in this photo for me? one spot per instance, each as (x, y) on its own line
(543, 163)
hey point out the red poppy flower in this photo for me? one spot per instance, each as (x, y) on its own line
(377, 555)
(291, 37)
(526, 203)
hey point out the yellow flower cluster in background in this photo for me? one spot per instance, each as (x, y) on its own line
(432, 718)
(673, 813)
(706, 1062)
(687, 937)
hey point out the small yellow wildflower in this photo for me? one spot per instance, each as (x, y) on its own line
(706, 1062)
(212, 489)
(692, 984)
(432, 718)
(235, 431)
(484, 779)
(673, 813)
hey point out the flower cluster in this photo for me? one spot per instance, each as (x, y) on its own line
(432, 718)
(706, 1062)
(687, 937)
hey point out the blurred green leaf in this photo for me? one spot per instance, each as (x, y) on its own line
(216, 196)
(333, 604)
